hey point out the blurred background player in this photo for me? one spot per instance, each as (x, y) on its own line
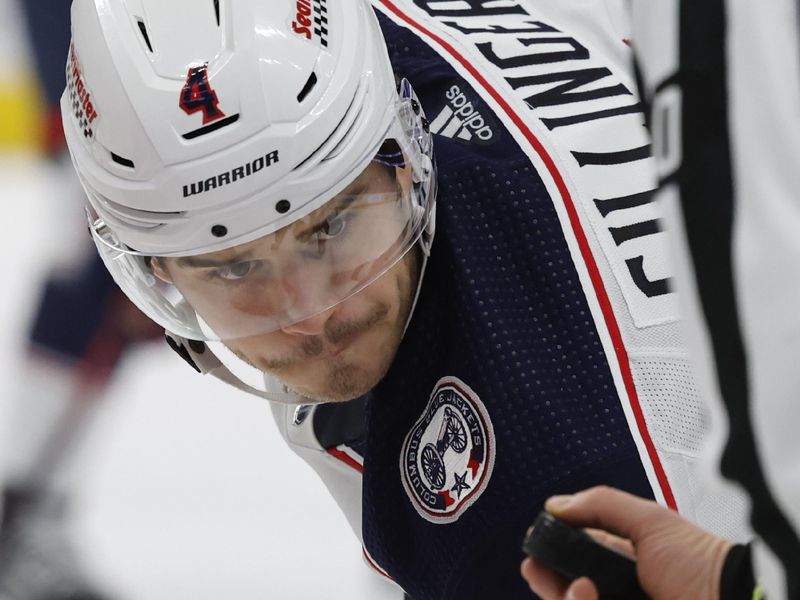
(81, 327)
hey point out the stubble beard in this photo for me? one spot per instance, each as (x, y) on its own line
(343, 379)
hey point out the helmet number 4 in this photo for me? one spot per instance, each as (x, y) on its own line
(197, 95)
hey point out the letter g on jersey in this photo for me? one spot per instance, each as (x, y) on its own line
(448, 456)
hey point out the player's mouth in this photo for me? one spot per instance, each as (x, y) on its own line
(339, 349)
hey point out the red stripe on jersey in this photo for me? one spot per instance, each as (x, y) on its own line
(345, 458)
(374, 565)
(583, 244)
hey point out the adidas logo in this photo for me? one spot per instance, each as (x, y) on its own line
(459, 120)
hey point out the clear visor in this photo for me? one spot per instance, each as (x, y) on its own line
(299, 271)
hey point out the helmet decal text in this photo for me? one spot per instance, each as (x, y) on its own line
(82, 107)
(197, 95)
(311, 21)
(232, 176)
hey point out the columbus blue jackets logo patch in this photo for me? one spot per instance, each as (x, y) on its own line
(448, 456)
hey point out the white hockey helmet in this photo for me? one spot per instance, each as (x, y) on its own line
(244, 148)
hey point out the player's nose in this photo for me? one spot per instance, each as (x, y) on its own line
(313, 325)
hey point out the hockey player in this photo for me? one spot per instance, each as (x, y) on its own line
(262, 182)
(722, 80)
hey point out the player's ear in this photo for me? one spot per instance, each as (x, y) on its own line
(405, 177)
(159, 268)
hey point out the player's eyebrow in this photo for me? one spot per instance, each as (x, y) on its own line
(198, 262)
(340, 205)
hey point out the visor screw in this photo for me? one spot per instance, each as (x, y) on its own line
(301, 414)
(283, 206)
(426, 126)
(415, 107)
(219, 231)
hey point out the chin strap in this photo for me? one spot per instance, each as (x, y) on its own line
(425, 242)
(204, 361)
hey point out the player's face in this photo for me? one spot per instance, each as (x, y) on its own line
(343, 352)
(338, 353)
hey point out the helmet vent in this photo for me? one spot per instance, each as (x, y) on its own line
(211, 128)
(121, 160)
(333, 152)
(120, 215)
(341, 134)
(145, 35)
(216, 10)
(312, 81)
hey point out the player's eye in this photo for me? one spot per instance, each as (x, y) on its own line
(332, 227)
(236, 271)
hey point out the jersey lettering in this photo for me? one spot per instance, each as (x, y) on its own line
(666, 128)
(579, 97)
(531, 27)
(470, 8)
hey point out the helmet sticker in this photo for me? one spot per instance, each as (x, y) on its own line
(232, 176)
(81, 100)
(448, 456)
(311, 21)
(197, 95)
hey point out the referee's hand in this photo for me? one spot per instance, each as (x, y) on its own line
(674, 558)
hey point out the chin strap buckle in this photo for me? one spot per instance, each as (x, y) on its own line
(183, 351)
